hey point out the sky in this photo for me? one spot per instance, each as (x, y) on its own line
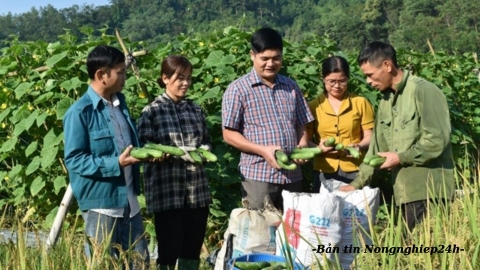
(21, 6)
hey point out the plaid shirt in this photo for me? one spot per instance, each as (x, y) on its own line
(174, 183)
(265, 116)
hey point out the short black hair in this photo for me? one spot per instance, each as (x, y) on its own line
(266, 38)
(376, 52)
(103, 56)
(335, 64)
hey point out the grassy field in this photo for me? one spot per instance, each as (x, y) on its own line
(455, 227)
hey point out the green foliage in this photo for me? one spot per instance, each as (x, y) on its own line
(451, 25)
(33, 102)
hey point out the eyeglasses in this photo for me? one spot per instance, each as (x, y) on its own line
(340, 82)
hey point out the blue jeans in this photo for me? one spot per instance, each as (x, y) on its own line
(124, 231)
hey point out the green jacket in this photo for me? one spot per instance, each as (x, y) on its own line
(414, 121)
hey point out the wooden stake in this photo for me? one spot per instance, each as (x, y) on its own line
(431, 47)
(135, 69)
(57, 223)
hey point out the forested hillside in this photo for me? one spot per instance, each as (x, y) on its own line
(450, 25)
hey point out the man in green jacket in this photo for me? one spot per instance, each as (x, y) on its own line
(412, 131)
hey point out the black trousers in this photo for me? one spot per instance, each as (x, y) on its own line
(180, 234)
(413, 213)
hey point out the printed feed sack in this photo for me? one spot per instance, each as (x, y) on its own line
(311, 222)
(358, 207)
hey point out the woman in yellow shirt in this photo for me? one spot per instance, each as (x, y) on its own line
(342, 115)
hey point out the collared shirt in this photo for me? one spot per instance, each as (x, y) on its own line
(354, 116)
(123, 139)
(265, 116)
(174, 183)
(91, 153)
(414, 122)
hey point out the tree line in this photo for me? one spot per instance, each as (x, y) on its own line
(449, 25)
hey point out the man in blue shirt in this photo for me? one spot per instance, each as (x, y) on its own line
(104, 180)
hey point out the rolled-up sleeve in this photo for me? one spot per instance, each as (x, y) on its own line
(304, 115)
(232, 108)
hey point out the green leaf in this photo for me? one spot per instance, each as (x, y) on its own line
(55, 59)
(48, 223)
(33, 166)
(37, 185)
(311, 70)
(4, 114)
(53, 46)
(19, 128)
(62, 107)
(30, 120)
(49, 139)
(9, 144)
(228, 59)
(211, 93)
(59, 183)
(214, 58)
(217, 213)
(22, 89)
(31, 148)
(48, 156)
(43, 98)
(15, 171)
(41, 119)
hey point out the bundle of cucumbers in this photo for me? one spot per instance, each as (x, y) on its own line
(374, 161)
(284, 161)
(330, 142)
(155, 150)
(261, 265)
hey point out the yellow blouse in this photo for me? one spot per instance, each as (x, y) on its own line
(355, 115)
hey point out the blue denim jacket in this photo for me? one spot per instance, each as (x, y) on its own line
(91, 153)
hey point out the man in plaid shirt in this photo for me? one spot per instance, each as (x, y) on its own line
(262, 112)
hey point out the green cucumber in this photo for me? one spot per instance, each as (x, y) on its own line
(314, 150)
(353, 152)
(196, 157)
(172, 150)
(377, 162)
(275, 267)
(281, 156)
(366, 160)
(154, 153)
(287, 166)
(304, 155)
(330, 141)
(139, 153)
(207, 155)
(251, 265)
(339, 146)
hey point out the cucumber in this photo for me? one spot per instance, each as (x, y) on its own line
(251, 265)
(314, 150)
(353, 152)
(281, 264)
(287, 166)
(275, 267)
(339, 146)
(154, 153)
(366, 160)
(172, 150)
(300, 155)
(376, 162)
(207, 155)
(330, 141)
(281, 156)
(196, 157)
(139, 153)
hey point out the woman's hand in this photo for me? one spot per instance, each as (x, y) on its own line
(326, 149)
